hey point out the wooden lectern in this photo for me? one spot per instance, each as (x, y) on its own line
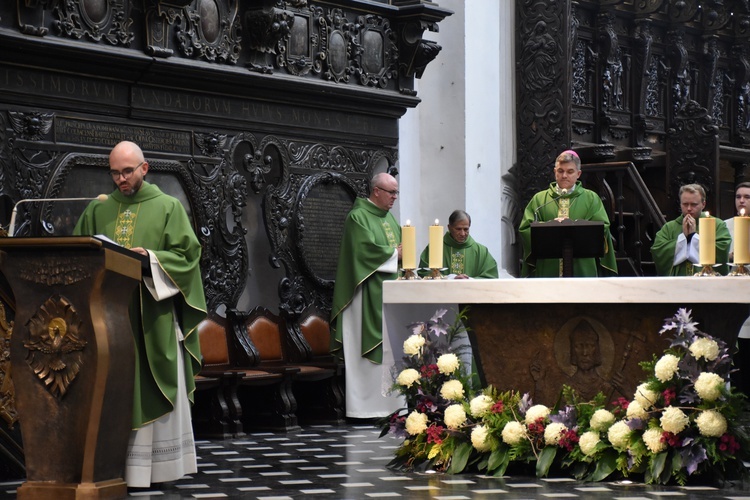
(73, 362)
(567, 240)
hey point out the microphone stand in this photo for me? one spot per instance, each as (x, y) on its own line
(563, 192)
(12, 225)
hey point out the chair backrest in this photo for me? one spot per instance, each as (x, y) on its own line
(263, 328)
(212, 335)
(317, 333)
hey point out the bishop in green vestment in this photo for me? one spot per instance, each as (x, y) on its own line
(369, 254)
(462, 256)
(139, 216)
(676, 245)
(566, 198)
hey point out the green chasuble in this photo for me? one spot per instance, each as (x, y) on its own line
(665, 242)
(369, 239)
(156, 222)
(470, 258)
(583, 205)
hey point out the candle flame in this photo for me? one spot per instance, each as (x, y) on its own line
(742, 211)
(408, 222)
(708, 214)
(437, 222)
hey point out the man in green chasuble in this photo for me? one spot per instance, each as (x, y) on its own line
(369, 254)
(676, 245)
(463, 257)
(566, 198)
(164, 314)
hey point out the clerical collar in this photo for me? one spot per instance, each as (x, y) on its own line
(568, 191)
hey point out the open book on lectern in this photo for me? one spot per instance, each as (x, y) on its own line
(113, 245)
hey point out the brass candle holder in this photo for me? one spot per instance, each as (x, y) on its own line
(409, 274)
(739, 269)
(436, 273)
(707, 270)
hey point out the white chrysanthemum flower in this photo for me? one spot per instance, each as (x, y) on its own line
(619, 435)
(708, 386)
(553, 432)
(588, 442)
(416, 423)
(480, 405)
(454, 416)
(711, 423)
(407, 377)
(635, 410)
(479, 439)
(646, 397)
(673, 420)
(447, 363)
(601, 420)
(705, 348)
(654, 443)
(452, 390)
(535, 413)
(666, 367)
(513, 433)
(413, 345)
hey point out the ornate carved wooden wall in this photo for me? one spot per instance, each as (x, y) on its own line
(285, 104)
(662, 83)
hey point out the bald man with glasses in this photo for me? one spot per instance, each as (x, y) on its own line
(164, 314)
(369, 255)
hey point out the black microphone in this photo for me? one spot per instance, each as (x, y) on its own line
(12, 226)
(563, 192)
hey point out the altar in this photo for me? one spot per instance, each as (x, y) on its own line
(535, 335)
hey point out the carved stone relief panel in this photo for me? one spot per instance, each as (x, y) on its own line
(211, 31)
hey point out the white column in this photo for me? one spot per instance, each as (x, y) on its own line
(459, 142)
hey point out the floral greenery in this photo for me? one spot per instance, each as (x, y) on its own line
(682, 421)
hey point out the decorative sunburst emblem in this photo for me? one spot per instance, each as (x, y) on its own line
(55, 348)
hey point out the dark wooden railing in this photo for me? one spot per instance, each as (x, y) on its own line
(634, 214)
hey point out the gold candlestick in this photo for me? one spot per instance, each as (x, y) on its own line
(436, 273)
(409, 274)
(707, 270)
(739, 270)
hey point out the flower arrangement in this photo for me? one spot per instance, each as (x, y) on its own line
(683, 420)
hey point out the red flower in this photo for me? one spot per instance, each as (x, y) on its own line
(669, 395)
(568, 439)
(434, 432)
(497, 407)
(671, 439)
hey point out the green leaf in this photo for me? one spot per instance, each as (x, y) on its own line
(605, 466)
(546, 457)
(460, 458)
(498, 458)
(656, 467)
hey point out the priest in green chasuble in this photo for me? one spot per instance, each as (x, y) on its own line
(369, 254)
(566, 198)
(463, 258)
(677, 244)
(164, 313)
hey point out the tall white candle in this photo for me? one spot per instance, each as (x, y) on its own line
(707, 246)
(436, 246)
(408, 246)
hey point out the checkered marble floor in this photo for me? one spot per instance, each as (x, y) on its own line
(348, 462)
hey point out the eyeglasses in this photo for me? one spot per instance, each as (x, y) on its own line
(392, 193)
(125, 173)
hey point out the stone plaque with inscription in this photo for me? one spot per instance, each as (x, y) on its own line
(324, 202)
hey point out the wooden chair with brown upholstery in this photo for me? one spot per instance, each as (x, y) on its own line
(225, 360)
(317, 386)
